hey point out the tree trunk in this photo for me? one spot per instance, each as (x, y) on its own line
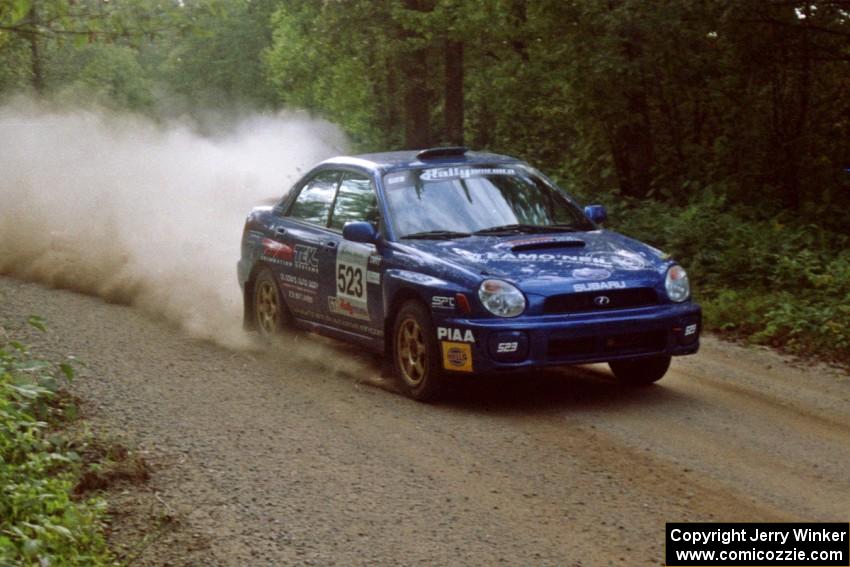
(36, 69)
(632, 147)
(519, 18)
(417, 132)
(417, 116)
(453, 112)
(633, 144)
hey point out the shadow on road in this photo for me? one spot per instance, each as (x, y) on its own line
(580, 387)
(567, 388)
(576, 387)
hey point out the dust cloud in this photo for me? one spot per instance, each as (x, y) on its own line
(144, 213)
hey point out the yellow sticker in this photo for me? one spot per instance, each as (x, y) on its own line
(457, 356)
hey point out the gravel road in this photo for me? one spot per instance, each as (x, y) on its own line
(301, 455)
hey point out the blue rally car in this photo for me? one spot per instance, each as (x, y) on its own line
(455, 262)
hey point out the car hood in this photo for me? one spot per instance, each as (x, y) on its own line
(545, 264)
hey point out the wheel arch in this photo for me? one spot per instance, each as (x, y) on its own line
(405, 285)
(402, 295)
(249, 320)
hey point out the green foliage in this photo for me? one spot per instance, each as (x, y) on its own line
(718, 130)
(778, 282)
(217, 63)
(657, 100)
(40, 522)
(14, 62)
(342, 63)
(110, 74)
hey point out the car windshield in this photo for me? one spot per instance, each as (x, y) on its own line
(451, 202)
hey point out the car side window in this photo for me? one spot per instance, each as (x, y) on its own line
(355, 201)
(313, 203)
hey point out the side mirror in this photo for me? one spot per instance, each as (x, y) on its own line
(596, 213)
(360, 231)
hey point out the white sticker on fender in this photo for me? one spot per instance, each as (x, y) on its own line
(351, 273)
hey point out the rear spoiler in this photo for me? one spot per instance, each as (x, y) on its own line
(448, 151)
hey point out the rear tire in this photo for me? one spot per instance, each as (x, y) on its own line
(415, 353)
(270, 312)
(641, 371)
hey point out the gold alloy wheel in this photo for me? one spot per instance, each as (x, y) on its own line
(268, 307)
(411, 351)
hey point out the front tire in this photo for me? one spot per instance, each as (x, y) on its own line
(415, 353)
(641, 371)
(270, 312)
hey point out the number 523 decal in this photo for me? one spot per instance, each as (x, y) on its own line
(349, 280)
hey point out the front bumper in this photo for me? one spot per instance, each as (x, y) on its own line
(557, 340)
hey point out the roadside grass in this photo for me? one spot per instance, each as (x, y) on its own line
(49, 469)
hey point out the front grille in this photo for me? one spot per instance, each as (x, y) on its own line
(586, 301)
(559, 348)
(638, 342)
(624, 343)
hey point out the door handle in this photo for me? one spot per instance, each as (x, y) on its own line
(280, 231)
(330, 244)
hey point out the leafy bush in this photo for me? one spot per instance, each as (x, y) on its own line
(774, 281)
(40, 522)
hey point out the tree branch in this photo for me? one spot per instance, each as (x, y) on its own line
(800, 27)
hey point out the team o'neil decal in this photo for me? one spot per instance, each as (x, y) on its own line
(620, 260)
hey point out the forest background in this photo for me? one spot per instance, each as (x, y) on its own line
(716, 130)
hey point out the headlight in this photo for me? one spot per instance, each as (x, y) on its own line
(501, 298)
(677, 285)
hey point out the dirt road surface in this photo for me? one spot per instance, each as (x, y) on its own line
(297, 456)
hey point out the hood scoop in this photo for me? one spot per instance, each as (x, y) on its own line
(547, 245)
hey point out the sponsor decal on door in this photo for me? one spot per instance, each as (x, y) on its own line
(352, 277)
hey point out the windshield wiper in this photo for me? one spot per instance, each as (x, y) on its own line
(437, 234)
(530, 228)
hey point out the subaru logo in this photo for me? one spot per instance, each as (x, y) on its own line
(601, 300)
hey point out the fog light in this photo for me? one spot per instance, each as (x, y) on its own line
(688, 333)
(511, 346)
